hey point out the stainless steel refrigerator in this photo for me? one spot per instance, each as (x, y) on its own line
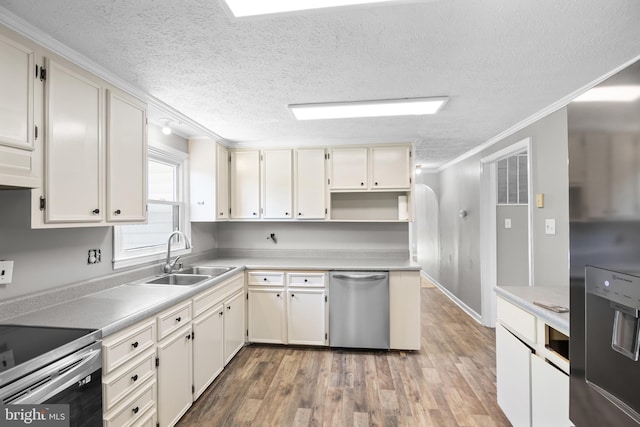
(604, 207)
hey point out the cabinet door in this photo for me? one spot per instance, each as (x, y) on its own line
(306, 316)
(349, 169)
(208, 348)
(310, 179)
(174, 376)
(245, 184)
(513, 361)
(549, 395)
(16, 94)
(277, 184)
(73, 146)
(390, 167)
(126, 158)
(222, 183)
(266, 316)
(234, 328)
(202, 180)
(597, 175)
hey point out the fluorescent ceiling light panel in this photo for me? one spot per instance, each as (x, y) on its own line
(383, 108)
(610, 94)
(242, 8)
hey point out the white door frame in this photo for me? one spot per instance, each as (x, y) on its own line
(488, 228)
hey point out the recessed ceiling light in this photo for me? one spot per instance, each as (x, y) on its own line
(610, 94)
(381, 108)
(242, 8)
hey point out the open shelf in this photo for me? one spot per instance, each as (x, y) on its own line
(368, 206)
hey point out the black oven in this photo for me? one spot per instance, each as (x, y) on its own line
(44, 365)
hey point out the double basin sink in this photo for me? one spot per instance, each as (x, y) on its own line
(189, 276)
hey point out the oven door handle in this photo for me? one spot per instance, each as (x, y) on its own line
(51, 380)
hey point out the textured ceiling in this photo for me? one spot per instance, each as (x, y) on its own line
(498, 61)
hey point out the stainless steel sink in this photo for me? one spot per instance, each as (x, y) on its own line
(206, 270)
(179, 279)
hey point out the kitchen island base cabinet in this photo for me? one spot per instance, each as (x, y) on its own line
(513, 361)
(174, 376)
(549, 395)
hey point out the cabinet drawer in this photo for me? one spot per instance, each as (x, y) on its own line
(216, 294)
(255, 278)
(127, 344)
(122, 382)
(131, 410)
(315, 280)
(173, 318)
(518, 320)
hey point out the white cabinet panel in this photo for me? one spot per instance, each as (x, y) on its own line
(126, 158)
(17, 64)
(222, 183)
(73, 168)
(390, 168)
(266, 316)
(549, 395)
(277, 184)
(245, 184)
(349, 168)
(174, 376)
(208, 344)
(310, 183)
(513, 361)
(404, 310)
(234, 330)
(306, 316)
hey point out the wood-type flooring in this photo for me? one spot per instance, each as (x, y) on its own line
(449, 382)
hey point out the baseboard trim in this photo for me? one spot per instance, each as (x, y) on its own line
(457, 301)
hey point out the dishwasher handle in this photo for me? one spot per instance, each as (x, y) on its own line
(362, 277)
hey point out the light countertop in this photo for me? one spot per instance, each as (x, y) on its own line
(524, 297)
(119, 307)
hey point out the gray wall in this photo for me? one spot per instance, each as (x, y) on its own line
(460, 189)
(513, 245)
(314, 236)
(425, 230)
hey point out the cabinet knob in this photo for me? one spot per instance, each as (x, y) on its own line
(293, 295)
(228, 307)
(135, 344)
(200, 203)
(375, 183)
(135, 410)
(299, 213)
(117, 212)
(286, 214)
(278, 295)
(221, 313)
(254, 214)
(96, 211)
(265, 279)
(221, 213)
(188, 337)
(362, 183)
(134, 378)
(178, 319)
(306, 280)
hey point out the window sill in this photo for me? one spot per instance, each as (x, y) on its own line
(133, 261)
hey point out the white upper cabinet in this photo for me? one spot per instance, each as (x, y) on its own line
(208, 180)
(245, 184)
(277, 166)
(390, 168)
(73, 167)
(126, 158)
(17, 64)
(349, 168)
(17, 124)
(310, 184)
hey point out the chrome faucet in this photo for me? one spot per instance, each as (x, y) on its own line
(170, 265)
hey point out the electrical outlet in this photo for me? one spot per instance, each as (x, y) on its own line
(6, 272)
(94, 256)
(507, 223)
(550, 226)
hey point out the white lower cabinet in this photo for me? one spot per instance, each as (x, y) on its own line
(404, 310)
(513, 361)
(174, 376)
(208, 343)
(549, 395)
(306, 316)
(233, 325)
(267, 315)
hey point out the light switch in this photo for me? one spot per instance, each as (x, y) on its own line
(6, 272)
(507, 223)
(550, 226)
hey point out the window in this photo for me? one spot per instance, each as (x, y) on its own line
(166, 212)
(513, 185)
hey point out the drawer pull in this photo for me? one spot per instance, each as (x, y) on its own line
(134, 378)
(221, 313)
(306, 280)
(265, 279)
(188, 337)
(178, 319)
(135, 344)
(135, 410)
(228, 307)
(293, 295)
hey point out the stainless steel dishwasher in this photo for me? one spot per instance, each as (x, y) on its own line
(359, 309)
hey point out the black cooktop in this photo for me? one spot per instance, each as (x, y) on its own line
(39, 345)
